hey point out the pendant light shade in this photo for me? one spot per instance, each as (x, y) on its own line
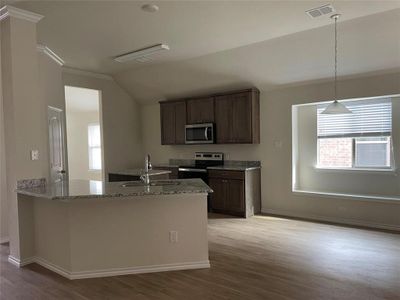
(336, 108)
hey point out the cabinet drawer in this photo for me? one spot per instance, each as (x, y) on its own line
(226, 174)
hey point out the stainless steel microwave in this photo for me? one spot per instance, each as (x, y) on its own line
(199, 133)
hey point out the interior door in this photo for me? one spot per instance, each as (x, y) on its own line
(56, 144)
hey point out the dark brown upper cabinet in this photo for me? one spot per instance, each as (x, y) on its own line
(200, 110)
(173, 121)
(237, 118)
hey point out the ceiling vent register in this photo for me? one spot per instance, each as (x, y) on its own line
(142, 55)
(320, 11)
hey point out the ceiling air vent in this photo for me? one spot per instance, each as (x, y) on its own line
(320, 11)
(142, 55)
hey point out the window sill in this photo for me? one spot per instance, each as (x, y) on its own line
(388, 171)
(373, 198)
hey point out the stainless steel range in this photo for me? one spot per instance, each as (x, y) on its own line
(202, 160)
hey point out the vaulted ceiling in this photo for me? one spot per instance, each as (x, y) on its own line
(218, 44)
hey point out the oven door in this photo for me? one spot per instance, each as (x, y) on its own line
(199, 133)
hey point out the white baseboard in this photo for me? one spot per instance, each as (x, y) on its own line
(4, 240)
(109, 272)
(343, 221)
(20, 263)
(140, 270)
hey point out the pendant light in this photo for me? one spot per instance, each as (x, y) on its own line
(336, 108)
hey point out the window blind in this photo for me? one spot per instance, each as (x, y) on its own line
(372, 117)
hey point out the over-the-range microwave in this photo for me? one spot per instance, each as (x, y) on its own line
(199, 133)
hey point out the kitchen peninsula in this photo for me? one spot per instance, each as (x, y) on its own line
(83, 229)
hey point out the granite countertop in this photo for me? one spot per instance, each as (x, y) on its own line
(165, 165)
(76, 189)
(240, 166)
(229, 165)
(139, 172)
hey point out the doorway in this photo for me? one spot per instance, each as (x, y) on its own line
(84, 133)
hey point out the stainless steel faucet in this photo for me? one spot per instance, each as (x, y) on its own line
(147, 166)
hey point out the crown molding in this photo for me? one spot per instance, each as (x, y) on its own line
(73, 71)
(11, 11)
(50, 53)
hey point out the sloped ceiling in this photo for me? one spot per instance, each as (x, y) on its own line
(219, 44)
(367, 44)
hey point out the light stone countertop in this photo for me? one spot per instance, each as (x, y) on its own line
(76, 189)
(138, 172)
(229, 165)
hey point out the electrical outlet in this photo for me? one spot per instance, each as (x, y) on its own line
(173, 236)
(34, 154)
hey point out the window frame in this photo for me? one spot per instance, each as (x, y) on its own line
(353, 137)
(353, 167)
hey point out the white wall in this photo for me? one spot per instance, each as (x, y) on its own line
(120, 116)
(52, 94)
(334, 181)
(3, 181)
(23, 115)
(78, 152)
(276, 126)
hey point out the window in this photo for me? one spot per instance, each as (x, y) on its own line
(94, 142)
(362, 139)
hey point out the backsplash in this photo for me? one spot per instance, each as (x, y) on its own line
(30, 183)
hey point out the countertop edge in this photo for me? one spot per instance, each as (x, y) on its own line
(117, 195)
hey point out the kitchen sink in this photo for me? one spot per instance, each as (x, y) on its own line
(152, 183)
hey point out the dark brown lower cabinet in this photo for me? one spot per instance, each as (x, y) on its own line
(235, 193)
(218, 197)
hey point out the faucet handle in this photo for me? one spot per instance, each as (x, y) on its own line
(149, 162)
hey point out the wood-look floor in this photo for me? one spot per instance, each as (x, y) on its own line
(257, 258)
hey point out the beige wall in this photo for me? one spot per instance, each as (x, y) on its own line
(52, 94)
(334, 181)
(78, 151)
(23, 112)
(120, 119)
(75, 237)
(3, 181)
(276, 126)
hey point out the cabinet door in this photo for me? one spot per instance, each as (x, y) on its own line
(180, 122)
(167, 115)
(200, 110)
(219, 194)
(241, 118)
(223, 111)
(235, 199)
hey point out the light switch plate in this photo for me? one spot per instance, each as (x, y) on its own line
(34, 154)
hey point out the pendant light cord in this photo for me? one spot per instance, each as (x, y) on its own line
(336, 17)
